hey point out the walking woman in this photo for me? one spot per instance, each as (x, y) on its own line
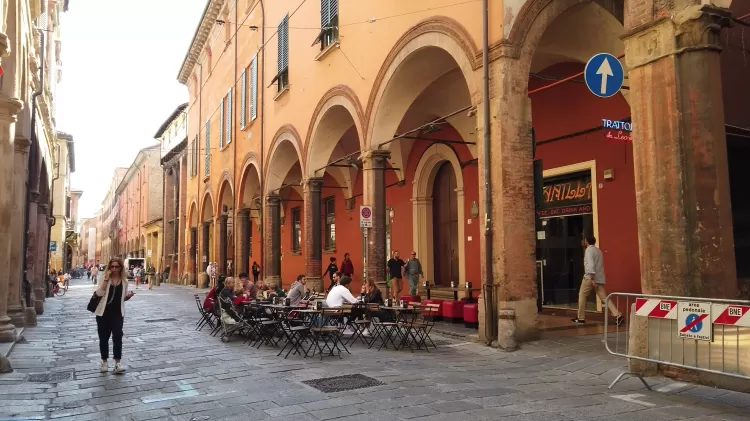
(110, 313)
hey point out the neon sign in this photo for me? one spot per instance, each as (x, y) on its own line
(618, 132)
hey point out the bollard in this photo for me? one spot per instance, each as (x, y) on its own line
(506, 329)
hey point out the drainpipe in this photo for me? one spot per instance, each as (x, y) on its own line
(197, 175)
(262, 86)
(31, 164)
(489, 287)
(234, 128)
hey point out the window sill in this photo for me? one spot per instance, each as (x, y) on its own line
(297, 253)
(329, 251)
(225, 147)
(282, 93)
(327, 50)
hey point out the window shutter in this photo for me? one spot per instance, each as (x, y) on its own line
(333, 9)
(208, 148)
(254, 88)
(283, 35)
(230, 114)
(221, 125)
(243, 99)
(325, 13)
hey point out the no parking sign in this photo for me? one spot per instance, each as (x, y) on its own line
(694, 321)
(365, 216)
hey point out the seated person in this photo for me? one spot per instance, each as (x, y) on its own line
(297, 292)
(276, 291)
(248, 287)
(208, 303)
(228, 291)
(340, 293)
(372, 293)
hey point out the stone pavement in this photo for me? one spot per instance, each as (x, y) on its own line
(176, 373)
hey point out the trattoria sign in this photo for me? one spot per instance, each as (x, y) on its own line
(618, 132)
(566, 196)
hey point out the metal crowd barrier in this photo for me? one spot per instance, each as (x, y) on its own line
(706, 335)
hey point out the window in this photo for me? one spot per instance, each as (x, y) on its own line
(329, 206)
(221, 124)
(229, 115)
(329, 23)
(243, 99)
(207, 171)
(282, 77)
(254, 88)
(194, 158)
(297, 230)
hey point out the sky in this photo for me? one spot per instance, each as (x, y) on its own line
(120, 61)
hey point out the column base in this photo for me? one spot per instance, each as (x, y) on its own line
(29, 317)
(314, 283)
(527, 328)
(39, 306)
(16, 316)
(5, 366)
(7, 332)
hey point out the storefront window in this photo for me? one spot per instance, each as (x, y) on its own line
(296, 230)
(330, 215)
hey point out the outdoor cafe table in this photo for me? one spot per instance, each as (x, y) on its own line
(407, 316)
(455, 292)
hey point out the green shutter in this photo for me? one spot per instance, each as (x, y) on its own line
(208, 148)
(254, 88)
(221, 125)
(333, 9)
(325, 13)
(230, 114)
(243, 99)
(283, 35)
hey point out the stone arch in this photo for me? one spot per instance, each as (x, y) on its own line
(192, 216)
(532, 21)
(439, 33)
(225, 182)
(330, 117)
(250, 162)
(208, 199)
(422, 234)
(285, 151)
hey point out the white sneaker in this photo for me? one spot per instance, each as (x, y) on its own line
(104, 367)
(119, 369)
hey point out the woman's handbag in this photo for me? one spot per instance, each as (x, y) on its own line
(93, 303)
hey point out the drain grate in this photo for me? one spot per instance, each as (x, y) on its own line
(441, 342)
(22, 340)
(53, 377)
(160, 320)
(343, 383)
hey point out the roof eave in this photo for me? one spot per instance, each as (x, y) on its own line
(208, 20)
(169, 120)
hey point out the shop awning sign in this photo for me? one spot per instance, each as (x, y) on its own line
(604, 75)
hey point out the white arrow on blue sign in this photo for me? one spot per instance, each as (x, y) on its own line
(604, 75)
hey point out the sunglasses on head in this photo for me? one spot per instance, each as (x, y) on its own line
(115, 267)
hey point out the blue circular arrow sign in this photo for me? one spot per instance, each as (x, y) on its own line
(604, 75)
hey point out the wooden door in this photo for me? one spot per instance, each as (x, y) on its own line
(445, 226)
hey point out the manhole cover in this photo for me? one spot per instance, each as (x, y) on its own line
(51, 377)
(342, 383)
(160, 320)
(441, 342)
(21, 340)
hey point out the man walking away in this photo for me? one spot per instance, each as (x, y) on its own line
(413, 272)
(593, 262)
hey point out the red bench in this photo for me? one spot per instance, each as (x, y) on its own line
(453, 311)
(471, 316)
(440, 313)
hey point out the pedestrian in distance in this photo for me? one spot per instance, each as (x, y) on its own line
(110, 314)
(256, 271)
(395, 266)
(593, 279)
(413, 271)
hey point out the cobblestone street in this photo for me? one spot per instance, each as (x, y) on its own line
(177, 373)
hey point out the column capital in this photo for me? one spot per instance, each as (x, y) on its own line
(375, 155)
(312, 183)
(34, 196)
(9, 108)
(222, 218)
(273, 199)
(42, 208)
(243, 213)
(206, 224)
(22, 145)
(4, 47)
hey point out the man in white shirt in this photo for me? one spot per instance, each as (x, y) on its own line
(340, 293)
(594, 279)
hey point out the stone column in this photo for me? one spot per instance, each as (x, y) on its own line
(9, 108)
(375, 164)
(222, 221)
(32, 267)
(16, 306)
(192, 267)
(680, 156)
(512, 182)
(40, 281)
(272, 239)
(243, 225)
(205, 252)
(313, 232)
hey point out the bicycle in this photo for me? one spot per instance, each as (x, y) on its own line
(58, 290)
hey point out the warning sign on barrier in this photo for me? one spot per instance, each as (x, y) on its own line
(694, 321)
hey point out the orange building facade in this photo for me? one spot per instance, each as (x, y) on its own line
(300, 112)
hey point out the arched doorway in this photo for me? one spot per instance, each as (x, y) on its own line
(445, 226)
(247, 233)
(226, 227)
(207, 238)
(192, 245)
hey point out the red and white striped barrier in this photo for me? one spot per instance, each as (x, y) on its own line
(730, 315)
(656, 308)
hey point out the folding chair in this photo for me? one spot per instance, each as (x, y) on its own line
(296, 336)
(328, 332)
(420, 329)
(360, 326)
(206, 317)
(386, 329)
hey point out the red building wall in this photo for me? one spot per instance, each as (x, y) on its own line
(570, 108)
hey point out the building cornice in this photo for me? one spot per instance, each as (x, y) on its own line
(135, 167)
(202, 32)
(165, 125)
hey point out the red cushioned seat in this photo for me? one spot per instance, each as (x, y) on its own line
(412, 298)
(471, 315)
(440, 313)
(453, 311)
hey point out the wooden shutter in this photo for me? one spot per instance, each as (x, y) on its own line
(208, 148)
(283, 35)
(254, 88)
(243, 99)
(325, 13)
(230, 114)
(333, 7)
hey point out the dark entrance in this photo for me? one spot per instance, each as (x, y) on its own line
(445, 225)
(567, 218)
(738, 153)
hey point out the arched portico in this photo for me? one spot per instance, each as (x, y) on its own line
(192, 243)
(422, 206)
(249, 213)
(207, 219)
(225, 224)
